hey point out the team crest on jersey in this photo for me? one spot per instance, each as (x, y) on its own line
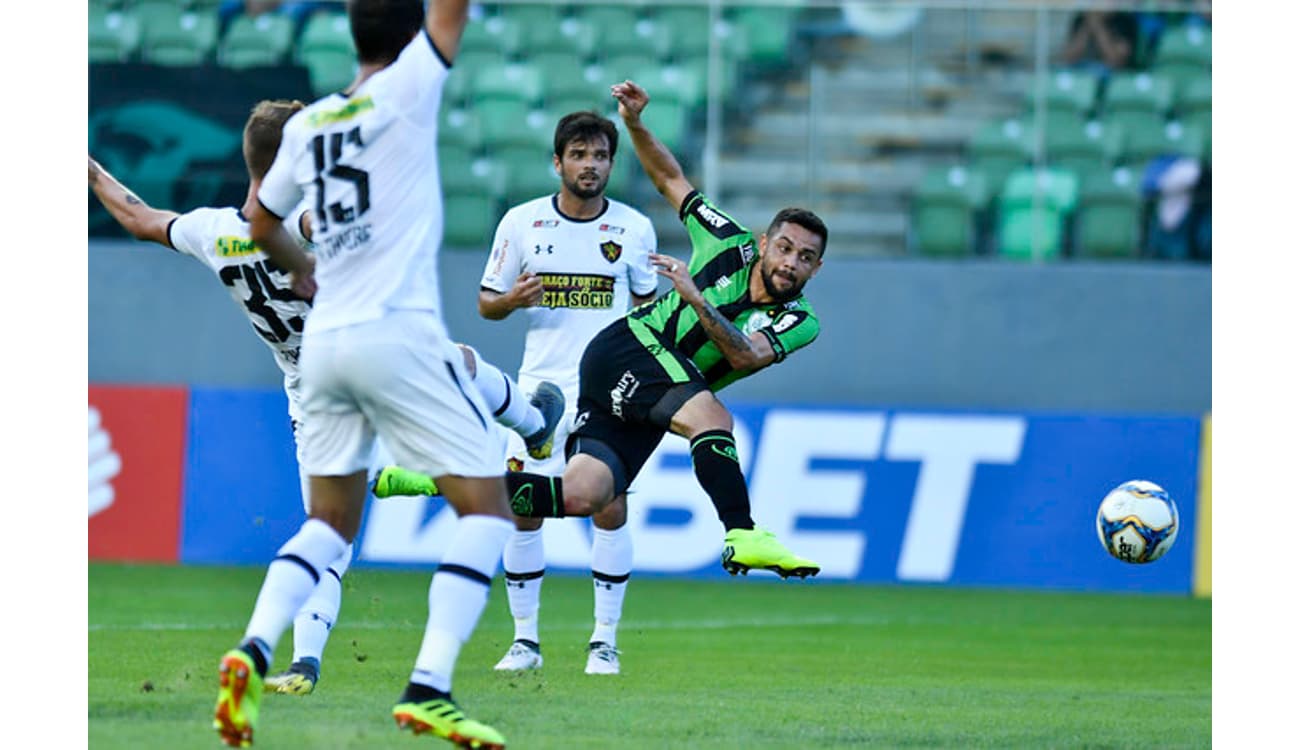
(546, 223)
(611, 250)
(611, 229)
(514, 464)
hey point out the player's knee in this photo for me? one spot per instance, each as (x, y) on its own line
(612, 516)
(588, 486)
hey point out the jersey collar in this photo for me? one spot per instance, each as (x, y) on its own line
(555, 204)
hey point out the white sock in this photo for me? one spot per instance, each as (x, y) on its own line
(290, 579)
(611, 566)
(510, 407)
(312, 626)
(457, 595)
(524, 561)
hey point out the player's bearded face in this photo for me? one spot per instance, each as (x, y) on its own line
(790, 257)
(585, 166)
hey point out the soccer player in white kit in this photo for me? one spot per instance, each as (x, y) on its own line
(570, 262)
(219, 238)
(376, 357)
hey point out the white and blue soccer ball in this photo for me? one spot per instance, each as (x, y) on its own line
(1137, 522)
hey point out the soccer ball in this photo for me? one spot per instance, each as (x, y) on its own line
(1137, 522)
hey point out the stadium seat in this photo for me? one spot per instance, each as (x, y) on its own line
(464, 173)
(997, 149)
(528, 15)
(608, 43)
(1034, 208)
(253, 41)
(1084, 146)
(624, 65)
(170, 36)
(565, 77)
(507, 82)
(501, 37)
(459, 128)
(1069, 98)
(945, 211)
(1183, 54)
(673, 82)
(607, 17)
(455, 91)
(529, 173)
(681, 31)
(766, 31)
(1194, 104)
(509, 122)
(114, 36)
(326, 50)
(471, 220)
(1171, 139)
(1108, 223)
(1137, 101)
(667, 119)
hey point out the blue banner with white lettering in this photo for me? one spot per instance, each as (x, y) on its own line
(873, 495)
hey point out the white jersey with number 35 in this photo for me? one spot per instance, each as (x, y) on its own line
(367, 166)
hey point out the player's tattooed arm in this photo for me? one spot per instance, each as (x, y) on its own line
(742, 353)
(138, 218)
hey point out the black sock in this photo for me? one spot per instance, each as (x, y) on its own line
(417, 693)
(259, 652)
(534, 495)
(717, 467)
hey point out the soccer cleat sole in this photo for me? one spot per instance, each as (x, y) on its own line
(408, 722)
(731, 566)
(234, 685)
(294, 684)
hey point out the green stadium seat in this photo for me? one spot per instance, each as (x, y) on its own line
(464, 173)
(1183, 54)
(1069, 97)
(667, 119)
(510, 122)
(1195, 105)
(173, 37)
(1171, 139)
(529, 173)
(999, 148)
(1084, 146)
(509, 81)
(681, 31)
(114, 36)
(625, 65)
(673, 83)
(945, 210)
(502, 37)
(459, 128)
(529, 15)
(325, 48)
(563, 74)
(545, 31)
(1109, 219)
(456, 90)
(471, 220)
(1137, 101)
(1034, 208)
(610, 43)
(766, 31)
(607, 17)
(253, 41)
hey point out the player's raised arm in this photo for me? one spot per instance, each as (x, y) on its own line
(445, 21)
(657, 161)
(138, 218)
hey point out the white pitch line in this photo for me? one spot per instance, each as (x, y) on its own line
(625, 625)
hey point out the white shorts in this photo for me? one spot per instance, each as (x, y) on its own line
(399, 378)
(517, 457)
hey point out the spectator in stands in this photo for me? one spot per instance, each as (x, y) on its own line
(1102, 41)
(298, 10)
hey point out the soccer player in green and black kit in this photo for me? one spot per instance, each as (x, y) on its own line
(735, 308)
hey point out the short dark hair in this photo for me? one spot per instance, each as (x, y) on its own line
(382, 28)
(263, 130)
(583, 126)
(804, 218)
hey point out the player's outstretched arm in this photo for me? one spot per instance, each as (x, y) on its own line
(657, 161)
(743, 353)
(445, 20)
(137, 217)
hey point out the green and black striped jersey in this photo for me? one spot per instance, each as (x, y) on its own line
(722, 255)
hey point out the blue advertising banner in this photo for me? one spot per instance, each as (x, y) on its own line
(945, 497)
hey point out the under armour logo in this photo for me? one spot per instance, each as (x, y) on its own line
(538, 249)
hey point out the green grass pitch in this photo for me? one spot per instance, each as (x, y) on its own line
(744, 663)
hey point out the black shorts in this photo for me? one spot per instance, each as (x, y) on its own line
(627, 397)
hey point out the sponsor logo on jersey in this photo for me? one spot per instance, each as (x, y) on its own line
(611, 250)
(755, 322)
(234, 247)
(583, 291)
(353, 108)
(710, 217)
(724, 282)
(538, 249)
(611, 229)
(747, 252)
(786, 322)
(546, 224)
